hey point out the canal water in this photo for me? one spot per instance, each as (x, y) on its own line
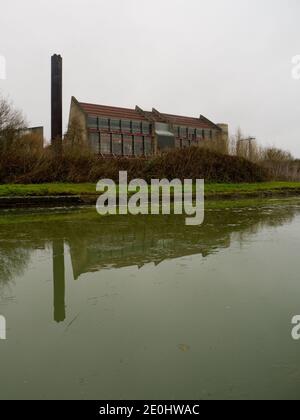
(148, 308)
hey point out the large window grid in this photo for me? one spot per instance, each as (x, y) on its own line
(94, 142)
(120, 144)
(199, 133)
(103, 123)
(192, 133)
(146, 127)
(176, 131)
(183, 132)
(92, 122)
(115, 125)
(126, 126)
(138, 145)
(136, 127)
(117, 144)
(105, 144)
(128, 145)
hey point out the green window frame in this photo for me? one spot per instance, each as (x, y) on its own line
(115, 125)
(94, 142)
(105, 144)
(128, 145)
(92, 122)
(117, 144)
(138, 146)
(126, 126)
(136, 127)
(103, 123)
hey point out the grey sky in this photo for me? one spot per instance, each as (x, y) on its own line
(229, 60)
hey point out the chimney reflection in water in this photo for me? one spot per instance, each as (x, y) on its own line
(59, 280)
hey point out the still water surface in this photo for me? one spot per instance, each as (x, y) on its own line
(147, 308)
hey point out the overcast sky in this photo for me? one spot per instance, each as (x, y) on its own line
(229, 60)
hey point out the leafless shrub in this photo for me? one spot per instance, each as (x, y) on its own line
(11, 122)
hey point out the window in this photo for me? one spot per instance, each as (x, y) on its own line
(117, 144)
(191, 133)
(115, 125)
(211, 134)
(128, 145)
(146, 127)
(148, 145)
(203, 134)
(92, 122)
(94, 142)
(138, 146)
(176, 131)
(126, 126)
(103, 123)
(183, 132)
(105, 144)
(136, 127)
(199, 133)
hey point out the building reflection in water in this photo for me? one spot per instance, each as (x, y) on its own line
(59, 289)
(96, 244)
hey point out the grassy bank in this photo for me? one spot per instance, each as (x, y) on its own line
(82, 214)
(211, 189)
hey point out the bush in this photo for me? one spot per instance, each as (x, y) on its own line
(192, 163)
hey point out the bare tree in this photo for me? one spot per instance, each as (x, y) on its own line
(11, 123)
(75, 134)
(235, 141)
(277, 155)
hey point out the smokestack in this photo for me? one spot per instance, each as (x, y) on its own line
(56, 99)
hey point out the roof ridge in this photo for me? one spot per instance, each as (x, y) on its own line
(181, 116)
(106, 106)
(140, 114)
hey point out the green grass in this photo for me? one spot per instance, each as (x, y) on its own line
(263, 187)
(55, 189)
(16, 190)
(88, 213)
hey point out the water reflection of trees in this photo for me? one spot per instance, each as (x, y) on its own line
(13, 262)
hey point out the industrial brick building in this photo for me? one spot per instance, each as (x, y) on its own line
(134, 132)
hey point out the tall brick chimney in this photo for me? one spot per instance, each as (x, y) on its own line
(56, 100)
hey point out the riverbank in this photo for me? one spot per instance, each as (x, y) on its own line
(60, 194)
